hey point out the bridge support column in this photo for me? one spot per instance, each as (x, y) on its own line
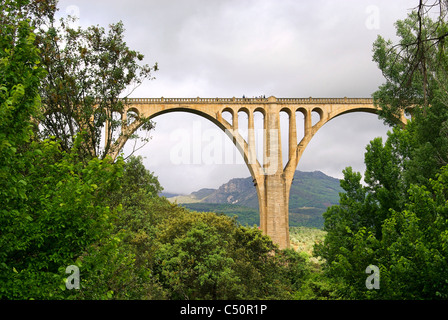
(274, 211)
(273, 193)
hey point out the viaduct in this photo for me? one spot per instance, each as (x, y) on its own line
(271, 179)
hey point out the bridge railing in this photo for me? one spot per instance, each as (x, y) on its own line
(234, 100)
(325, 100)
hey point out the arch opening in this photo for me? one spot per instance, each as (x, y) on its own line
(228, 116)
(131, 116)
(259, 135)
(243, 124)
(115, 125)
(188, 110)
(193, 155)
(408, 113)
(300, 124)
(316, 116)
(284, 136)
(336, 145)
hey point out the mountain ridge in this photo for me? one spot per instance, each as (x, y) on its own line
(311, 193)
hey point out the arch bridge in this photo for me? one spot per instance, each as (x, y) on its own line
(271, 179)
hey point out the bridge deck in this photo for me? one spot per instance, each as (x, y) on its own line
(251, 100)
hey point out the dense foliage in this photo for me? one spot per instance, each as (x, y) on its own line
(398, 219)
(61, 206)
(88, 70)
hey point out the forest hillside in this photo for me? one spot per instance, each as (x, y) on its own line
(311, 194)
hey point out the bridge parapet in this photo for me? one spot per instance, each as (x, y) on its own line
(234, 100)
(311, 100)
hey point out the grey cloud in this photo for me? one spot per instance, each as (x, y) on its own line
(225, 48)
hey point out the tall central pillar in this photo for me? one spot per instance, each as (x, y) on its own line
(273, 191)
(276, 211)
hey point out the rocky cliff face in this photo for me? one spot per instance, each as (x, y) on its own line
(236, 191)
(308, 190)
(311, 193)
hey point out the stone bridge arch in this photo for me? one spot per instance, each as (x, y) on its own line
(271, 179)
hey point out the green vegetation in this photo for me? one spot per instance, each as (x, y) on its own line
(311, 193)
(53, 203)
(87, 70)
(306, 217)
(398, 221)
(303, 239)
(244, 215)
(64, 204)
(313, 190)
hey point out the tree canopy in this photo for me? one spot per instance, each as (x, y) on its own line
(65, 206)
(398, 219)
(66, 203)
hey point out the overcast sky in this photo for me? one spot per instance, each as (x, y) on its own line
(231, 48)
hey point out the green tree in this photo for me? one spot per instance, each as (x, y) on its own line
(20, 76)
(209, 256)
(62, 212)
(88, 71)
(53, 205)
(415, 244)
(415, 67)
(397, 219)
(196, 265)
